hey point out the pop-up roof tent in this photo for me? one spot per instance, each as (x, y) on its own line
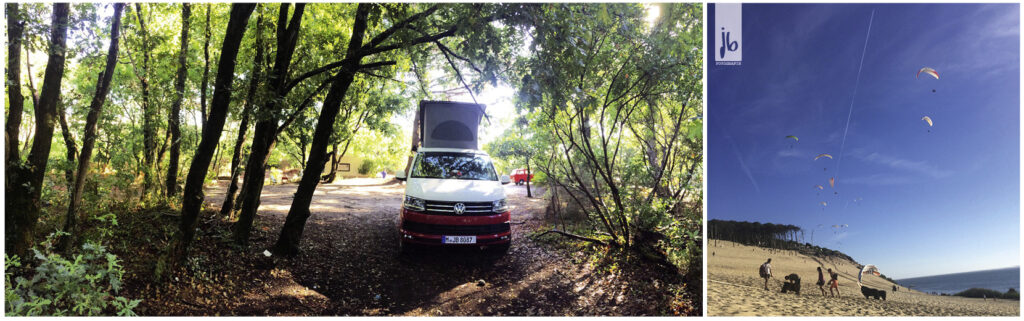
(447, 124)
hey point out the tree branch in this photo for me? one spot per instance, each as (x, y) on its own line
(369, 73)
(375, 50)
(305, 103)
(573, 236)
(453, 54)
(314, 72)
(377, 40)
(459, 74)
(377, 64)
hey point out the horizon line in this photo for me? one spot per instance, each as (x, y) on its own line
(972, 271)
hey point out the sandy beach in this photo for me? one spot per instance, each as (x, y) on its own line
(735, 289)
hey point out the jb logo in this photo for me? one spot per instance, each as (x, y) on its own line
(727, 45)
(728, 39)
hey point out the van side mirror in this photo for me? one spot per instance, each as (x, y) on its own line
(505, 179)
(400, 175)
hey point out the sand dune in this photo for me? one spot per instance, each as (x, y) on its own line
(735, 289)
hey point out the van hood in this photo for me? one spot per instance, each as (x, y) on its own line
(454, 190)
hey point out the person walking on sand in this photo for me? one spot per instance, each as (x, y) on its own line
(821, 281)
(766, 272)
(834, 283)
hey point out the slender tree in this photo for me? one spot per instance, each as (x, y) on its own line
(513, 146)
(26, 183)
(267, 128)
(148, 117)
(89, 139)
(206, 70)
(69, 142)
(193, 195)
(16, 101)
(174, 118)
(291, 233)
(243, 128)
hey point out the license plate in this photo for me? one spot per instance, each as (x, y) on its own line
(450, 239)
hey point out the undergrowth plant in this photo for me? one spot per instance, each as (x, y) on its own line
(83, 284)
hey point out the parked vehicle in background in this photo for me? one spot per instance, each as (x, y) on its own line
(453, 194)
(521, 176)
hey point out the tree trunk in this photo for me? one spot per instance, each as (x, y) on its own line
(303, 143)
(32, 94)
(336, 160)
(243, 128)
(528, 178)
(291, 234)
(265, 137)
(69, 143)
(163, 148)
(334, 165)
(89, 138)
(206, 71)
(148, 121)
(217, 154)
(263, 142)
(23, 203)
(174, 118)
(192, 199)
(229, 197)
(15, 30)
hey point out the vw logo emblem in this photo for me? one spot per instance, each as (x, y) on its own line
(459, 208)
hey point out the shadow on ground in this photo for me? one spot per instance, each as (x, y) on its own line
(350, 264)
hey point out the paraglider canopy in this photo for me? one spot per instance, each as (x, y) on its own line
(793, 137)
(869, 268)
(822, 155)
(927, 120)
(928, 71)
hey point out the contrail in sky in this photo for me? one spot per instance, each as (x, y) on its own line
(856, 84)
(746, 170)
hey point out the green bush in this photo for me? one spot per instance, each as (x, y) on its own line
(980, 293)
(1011, 294)
(83, 285)
(366, 167)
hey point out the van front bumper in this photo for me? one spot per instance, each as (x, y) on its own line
(429, 229)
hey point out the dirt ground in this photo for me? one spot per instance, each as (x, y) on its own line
(350, 264)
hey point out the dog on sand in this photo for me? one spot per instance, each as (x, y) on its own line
(872, 293)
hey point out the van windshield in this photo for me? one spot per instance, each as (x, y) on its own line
(453, 166)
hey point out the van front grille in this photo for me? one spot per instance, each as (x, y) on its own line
(447, 208)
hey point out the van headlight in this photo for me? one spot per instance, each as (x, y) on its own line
(413, 204)
(500, 206)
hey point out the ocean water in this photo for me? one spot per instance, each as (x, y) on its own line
(999, 280)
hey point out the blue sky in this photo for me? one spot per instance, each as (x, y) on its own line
(917, 202)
